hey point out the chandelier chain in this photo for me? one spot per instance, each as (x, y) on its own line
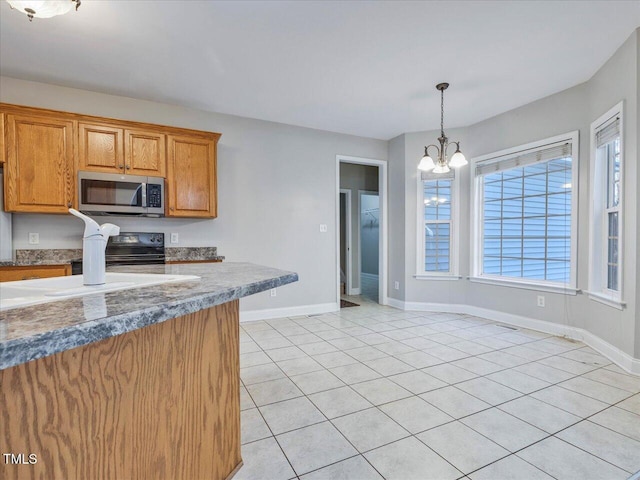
(442, 113)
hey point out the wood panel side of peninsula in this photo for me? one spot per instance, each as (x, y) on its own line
(159, 402)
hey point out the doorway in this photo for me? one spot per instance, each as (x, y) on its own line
(361, 181)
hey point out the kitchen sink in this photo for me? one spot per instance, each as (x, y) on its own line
(42, 290)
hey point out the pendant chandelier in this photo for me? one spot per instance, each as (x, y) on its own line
(442, 164)
(43, 8)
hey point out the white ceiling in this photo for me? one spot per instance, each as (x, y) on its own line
(360, 67)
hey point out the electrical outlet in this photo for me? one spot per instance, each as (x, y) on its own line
(323, 228)
(396, 285)
(175, 238)
(541, 300)
(34, 238)
(273, 292)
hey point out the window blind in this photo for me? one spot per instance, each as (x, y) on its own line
(608, 132)
(438, 176)
(524, 158)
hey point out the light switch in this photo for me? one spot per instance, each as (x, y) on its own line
(174, 238)
(323, 228)
(34, 238)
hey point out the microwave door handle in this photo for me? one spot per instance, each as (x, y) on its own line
(143, 185)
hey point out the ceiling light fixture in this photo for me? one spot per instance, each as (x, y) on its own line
(442, 165)
(44, 8)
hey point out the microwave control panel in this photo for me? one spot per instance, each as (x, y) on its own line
(154, 195)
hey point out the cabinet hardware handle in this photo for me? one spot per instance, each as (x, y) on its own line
(30, 278)
(171, 208)
(128, 167)
(69, 204)
(121, 165)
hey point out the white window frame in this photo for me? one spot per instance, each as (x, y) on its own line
(477, 217)
(598, 227)
(453, 273)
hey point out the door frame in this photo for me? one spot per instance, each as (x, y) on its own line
(383, 298)
(347, 240)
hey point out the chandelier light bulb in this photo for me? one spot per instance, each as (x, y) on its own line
(43, 8)
(426, 164)
(441, 169)
(458, 160)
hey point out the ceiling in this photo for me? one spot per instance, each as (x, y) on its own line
(365, 68)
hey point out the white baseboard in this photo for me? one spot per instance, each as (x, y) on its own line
(370, 276)
(251, 315)
(354, 291)
(613, 353)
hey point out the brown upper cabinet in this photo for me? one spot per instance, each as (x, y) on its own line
(107, 148)
(3, 151)
(43, 151)
(191, 184)
(39, 168)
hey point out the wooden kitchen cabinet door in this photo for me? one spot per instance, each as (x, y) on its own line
(191, 176)
(144, 153)
(40, 164)
(101, 148)
(3, 151)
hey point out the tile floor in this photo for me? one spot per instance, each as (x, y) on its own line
(372, 392)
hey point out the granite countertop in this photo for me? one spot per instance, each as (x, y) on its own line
(33, 332)
(52, 256)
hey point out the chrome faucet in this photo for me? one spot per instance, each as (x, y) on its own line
(94, 243)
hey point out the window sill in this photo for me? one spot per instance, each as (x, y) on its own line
(431, 276)
(606, 300)
(540, 287)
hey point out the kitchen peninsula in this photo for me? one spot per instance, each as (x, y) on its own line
(140, 383)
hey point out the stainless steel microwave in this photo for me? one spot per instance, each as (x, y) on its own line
(116, 194)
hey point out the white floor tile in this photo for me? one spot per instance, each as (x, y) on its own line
(317, 381)
(450, 373)
(510, 468)
(539, 414)
(339, 401)
(417, 381)
(291, 414)
(253, 426)
(619, 420)
(273, 391)
(388, 366)
(313, 447)
(488, 391)
(562, 460)
(381, 391)
(354, 373)
(597, 390)
(264, 459)
(260, 373)
(462, 447)
(507, 431)
(518, 381)
(454, 402)
(369, 429)
(415, 414)
(613, 447)
(354, 468)
(410, 459)
(569, 401)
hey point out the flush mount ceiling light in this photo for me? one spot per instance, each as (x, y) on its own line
(442, 164)
(43, 8)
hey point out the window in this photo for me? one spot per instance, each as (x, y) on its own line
(525, 215)
(605, 276)
(436, 216)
